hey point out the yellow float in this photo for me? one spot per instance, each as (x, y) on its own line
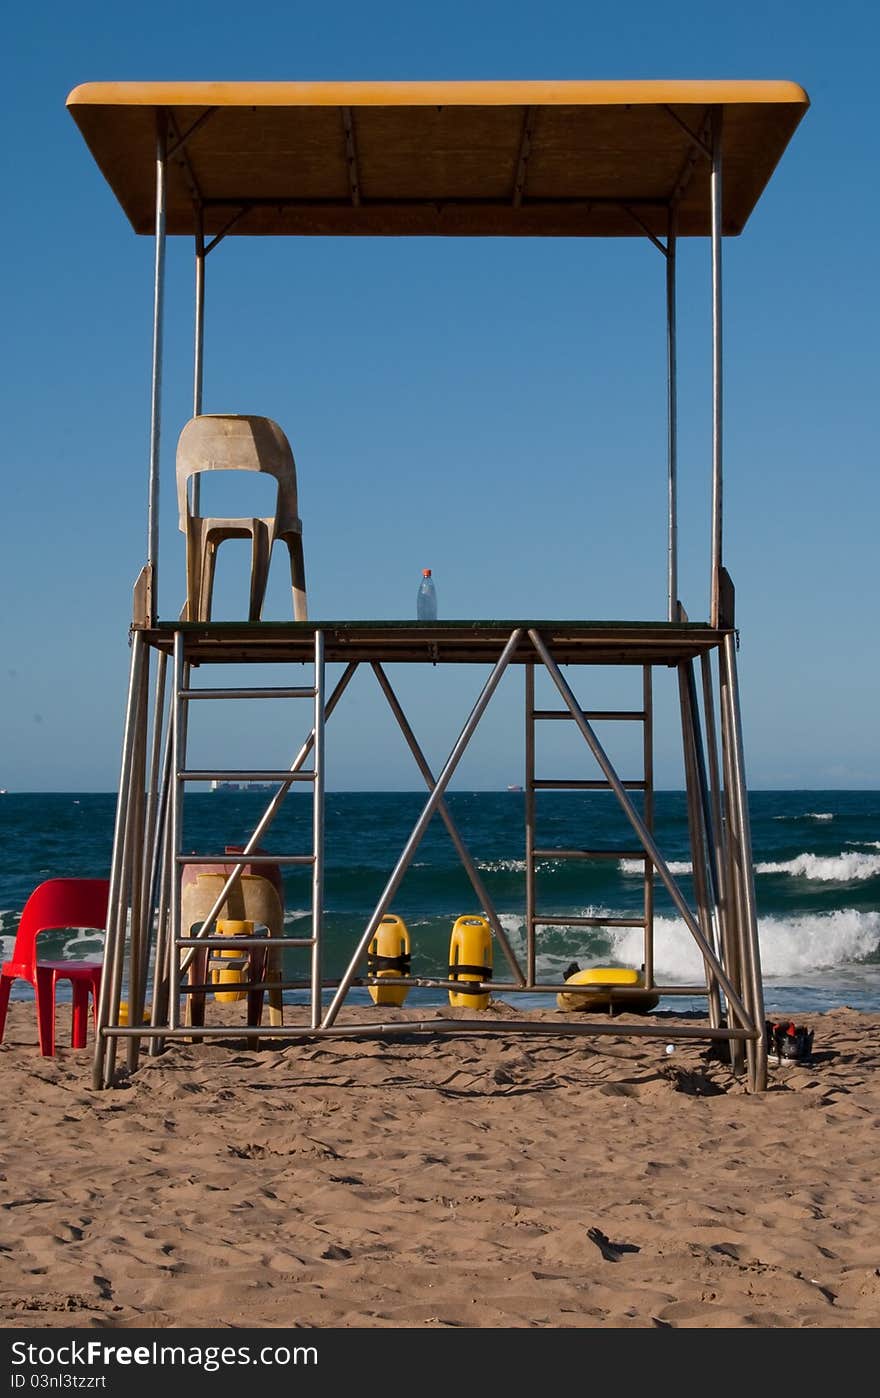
(470, 959)
(230, 967)
(389, 955)
(599, 983)
(122, 1018)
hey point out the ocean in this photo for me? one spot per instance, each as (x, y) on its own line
(817, 874)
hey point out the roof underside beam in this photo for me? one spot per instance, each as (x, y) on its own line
(351, 155)
(525, 148)
(296, 201)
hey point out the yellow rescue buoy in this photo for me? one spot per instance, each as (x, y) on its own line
(123, 1014)
(470, 959)
(388, 956)
(230, 967)
(599, 983)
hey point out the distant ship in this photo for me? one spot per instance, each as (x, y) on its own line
(514, 788)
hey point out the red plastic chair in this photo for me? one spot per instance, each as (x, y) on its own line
(54, 904)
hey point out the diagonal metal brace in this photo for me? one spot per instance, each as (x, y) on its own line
(422, 823)
(443, 810)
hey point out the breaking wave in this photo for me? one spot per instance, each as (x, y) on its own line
(830, 868)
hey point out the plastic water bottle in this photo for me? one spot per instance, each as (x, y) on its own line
(426, 601)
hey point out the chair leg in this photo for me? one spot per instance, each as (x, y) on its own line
(194, 1013)
(79, 1014)
(255, 997)
(44, 989)
(276, 994)
(206, 589)
(96, 995)
(260, 548)
(195, 547)
(297, 576)
(5, 987)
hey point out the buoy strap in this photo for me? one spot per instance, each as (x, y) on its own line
(484, 972)
(400, 963)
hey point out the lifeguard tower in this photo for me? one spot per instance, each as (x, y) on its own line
(654, 160)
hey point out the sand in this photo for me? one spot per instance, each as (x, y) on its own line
(503, 1182)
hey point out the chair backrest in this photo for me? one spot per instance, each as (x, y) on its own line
(59, 903)
(252, 896)
(232, 442)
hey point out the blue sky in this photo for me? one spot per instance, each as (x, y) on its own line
(491, 409)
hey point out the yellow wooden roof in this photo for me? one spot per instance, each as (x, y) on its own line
(439, 158)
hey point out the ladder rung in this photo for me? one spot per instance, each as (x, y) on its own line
(588, 921)
(191, 775)
(558, 785)
(211, 987)
(245, 859)
(594, 715)
(589, 854)
(233, 943)
(246, 693)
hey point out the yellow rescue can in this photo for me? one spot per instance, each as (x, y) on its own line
(470, 959)
(388, 956)
(123, 1014)
(596, 988)
(230, 967)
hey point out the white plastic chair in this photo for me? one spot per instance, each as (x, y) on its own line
(227, 442)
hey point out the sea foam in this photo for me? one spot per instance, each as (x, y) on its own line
(637, 866)
(831, 868)
(790, 946)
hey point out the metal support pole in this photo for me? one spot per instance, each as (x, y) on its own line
(116, 899)
(718, 849)
(710, 800)
(531, 950)
(199, 347)
(152, 846)
(733, 881)
(156, 783)
(711, 812)
(422, 823)
(156, 390)
(318, 832)
(132, 852)
(648, 754)
(167, 866)
(638, 825)
(706, 802)
(178, 752)
(697, 835)
(140, 846)
(672, 417)
(757, 1051)
(461, 850)
(717, 385)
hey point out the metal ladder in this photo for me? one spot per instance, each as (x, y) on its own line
(183, 695)
(645, 784)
